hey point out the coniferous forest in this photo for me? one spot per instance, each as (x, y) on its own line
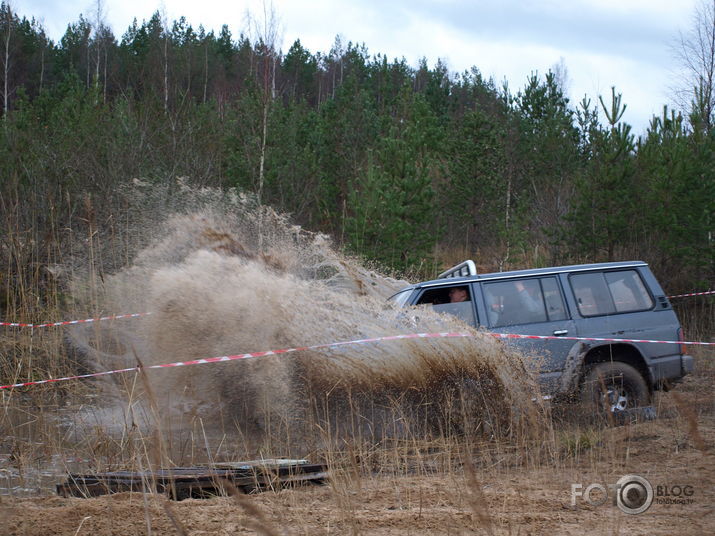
(415, 168)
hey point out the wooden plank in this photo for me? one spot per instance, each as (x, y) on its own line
(183, 482)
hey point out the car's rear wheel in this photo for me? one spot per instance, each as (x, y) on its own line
(614, 388)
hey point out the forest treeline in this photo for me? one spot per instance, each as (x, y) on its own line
(413, 167)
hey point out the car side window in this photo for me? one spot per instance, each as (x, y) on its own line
(555, 308)
(628, 291)
(455, 300)
(513, 302)
(592, 294)
(604, 293)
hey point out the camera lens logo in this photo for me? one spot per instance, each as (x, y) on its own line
(634, 494)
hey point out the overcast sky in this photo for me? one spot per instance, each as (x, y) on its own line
(625, 43)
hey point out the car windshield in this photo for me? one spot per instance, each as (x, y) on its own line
(401, 297)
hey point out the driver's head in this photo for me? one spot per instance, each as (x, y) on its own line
(458, 294)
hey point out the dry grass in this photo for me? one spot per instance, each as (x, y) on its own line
(444, 485)
(444, 481)
(418, 437)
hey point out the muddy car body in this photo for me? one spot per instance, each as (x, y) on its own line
(618, 300)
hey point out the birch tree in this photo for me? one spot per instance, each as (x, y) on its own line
(695, 50)
(266, 36)
(6, 24)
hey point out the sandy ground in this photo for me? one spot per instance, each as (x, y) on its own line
(507, 498)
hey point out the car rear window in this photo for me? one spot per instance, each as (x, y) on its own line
(604, 293)
(628, 291)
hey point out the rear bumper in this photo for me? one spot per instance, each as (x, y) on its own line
(670, 370)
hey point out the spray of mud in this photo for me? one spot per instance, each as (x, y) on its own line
(222, 275)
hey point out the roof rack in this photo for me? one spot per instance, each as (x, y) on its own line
(463, 269)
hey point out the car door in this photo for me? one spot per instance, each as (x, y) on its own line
(532, 306)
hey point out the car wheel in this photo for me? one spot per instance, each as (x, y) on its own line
(614, 388)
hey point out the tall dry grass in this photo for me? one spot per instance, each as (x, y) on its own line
(381, 408)
(407, 409)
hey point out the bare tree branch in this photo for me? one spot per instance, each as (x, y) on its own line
(695, 50)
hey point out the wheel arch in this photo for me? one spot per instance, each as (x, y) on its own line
(625, 353)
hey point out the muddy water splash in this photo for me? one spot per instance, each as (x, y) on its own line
(231, 277)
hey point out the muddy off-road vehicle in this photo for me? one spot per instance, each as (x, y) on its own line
(617, 300)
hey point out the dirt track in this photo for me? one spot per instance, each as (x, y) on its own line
(510, 497)
(512, 501)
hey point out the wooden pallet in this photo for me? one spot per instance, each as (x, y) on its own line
(198, 482)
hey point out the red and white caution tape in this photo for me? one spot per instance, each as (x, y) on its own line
(136, 315)
(71, 322)
(707, 292)
(337, 344)
(243, 356)
(597, 339)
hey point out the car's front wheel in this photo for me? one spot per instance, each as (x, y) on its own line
(614, 388)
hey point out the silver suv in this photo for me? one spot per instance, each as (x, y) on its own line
(616, 300)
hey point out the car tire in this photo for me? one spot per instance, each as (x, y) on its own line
(614, 388)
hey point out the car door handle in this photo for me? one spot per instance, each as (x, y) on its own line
(560, 332)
